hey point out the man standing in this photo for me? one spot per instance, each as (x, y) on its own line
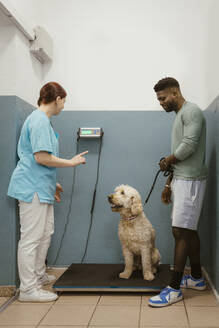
(188, 186)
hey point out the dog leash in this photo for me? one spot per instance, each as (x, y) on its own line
(167, 172)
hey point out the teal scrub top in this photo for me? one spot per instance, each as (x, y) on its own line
(29, 177)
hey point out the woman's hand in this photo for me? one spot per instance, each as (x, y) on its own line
(166, 195)
(57, 194)
(79, 159)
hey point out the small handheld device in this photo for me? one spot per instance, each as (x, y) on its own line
(90, 133)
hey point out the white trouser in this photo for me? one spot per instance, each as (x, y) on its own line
(37, 226)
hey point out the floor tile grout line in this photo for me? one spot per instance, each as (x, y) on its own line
(139, 318)
(94, 310)
(187, 316)
(45, 314)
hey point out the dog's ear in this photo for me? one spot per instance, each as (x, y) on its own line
(136, 207)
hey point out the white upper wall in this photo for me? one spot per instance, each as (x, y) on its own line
(108, 54)
(29, 78)
(21, 73)
(7, 60)
(28, 9)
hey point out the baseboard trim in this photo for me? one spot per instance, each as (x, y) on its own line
(211, 284)
(7, 291)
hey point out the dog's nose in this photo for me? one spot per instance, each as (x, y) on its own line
(110, 197)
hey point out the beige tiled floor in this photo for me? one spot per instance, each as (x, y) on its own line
(3, 300)
(198, 309)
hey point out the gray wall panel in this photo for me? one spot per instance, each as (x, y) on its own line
(13, 111)
(7, 217)
(132, 146)
(133, 143)
(210, 214)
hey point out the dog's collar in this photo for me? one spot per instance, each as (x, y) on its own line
(129, 219)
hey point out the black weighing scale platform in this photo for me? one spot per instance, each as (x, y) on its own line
(105, 277)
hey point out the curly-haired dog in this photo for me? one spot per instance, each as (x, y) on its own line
(136, 233)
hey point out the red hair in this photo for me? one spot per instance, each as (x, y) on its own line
(49, 92)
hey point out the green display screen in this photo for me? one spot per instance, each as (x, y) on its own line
(86, 132)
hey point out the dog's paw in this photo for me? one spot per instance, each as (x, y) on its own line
(125, 275)
(149, 276)
(154, 270)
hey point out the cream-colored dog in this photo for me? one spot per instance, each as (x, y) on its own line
(136, 234)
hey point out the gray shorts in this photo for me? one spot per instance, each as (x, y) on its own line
(188, 197)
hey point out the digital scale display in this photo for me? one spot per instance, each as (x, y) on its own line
(86, 132)
(90, 132)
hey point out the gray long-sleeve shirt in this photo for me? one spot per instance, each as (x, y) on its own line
(189, 143)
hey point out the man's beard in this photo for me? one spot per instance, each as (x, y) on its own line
(171, 106)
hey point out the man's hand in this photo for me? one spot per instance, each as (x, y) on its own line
(57, 194)
(166, 162)
(166, 195)
(163, 164)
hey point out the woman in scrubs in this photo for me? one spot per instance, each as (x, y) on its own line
(33, 183)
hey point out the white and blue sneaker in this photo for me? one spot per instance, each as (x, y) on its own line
(166, 297)
(189, 282)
